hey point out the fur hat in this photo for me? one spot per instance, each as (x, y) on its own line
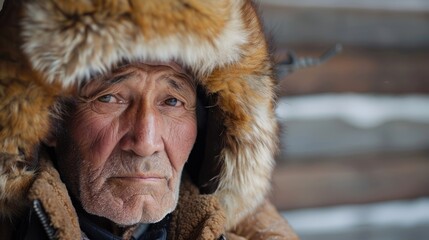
(49, 47)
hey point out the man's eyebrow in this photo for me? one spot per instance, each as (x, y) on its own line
(180, 85)
(174, 84)
(119, 78)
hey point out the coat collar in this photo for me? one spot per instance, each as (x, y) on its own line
(196, 216)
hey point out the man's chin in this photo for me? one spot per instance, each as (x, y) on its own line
(145, 217)
(139, 210)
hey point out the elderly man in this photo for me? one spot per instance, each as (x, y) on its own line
(124, 143)
(136, 120)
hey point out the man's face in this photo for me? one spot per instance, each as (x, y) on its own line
(124, 145)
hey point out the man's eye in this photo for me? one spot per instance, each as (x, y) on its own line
(108, 98)
(174, 102)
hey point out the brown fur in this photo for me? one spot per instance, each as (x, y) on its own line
(24, 119)
(15, 180)
(242, 88)
(265, 223)
(154, 18)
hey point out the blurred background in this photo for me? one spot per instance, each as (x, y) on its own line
(354, 157)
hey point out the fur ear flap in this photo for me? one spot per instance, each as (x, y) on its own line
(24, 115)
(24, 121)
(25, 99)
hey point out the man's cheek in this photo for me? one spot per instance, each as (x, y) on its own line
(97, 135)
(182, 136)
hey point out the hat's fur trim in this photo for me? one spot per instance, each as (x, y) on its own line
(69, 41)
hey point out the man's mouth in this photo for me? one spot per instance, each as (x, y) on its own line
(141, 177)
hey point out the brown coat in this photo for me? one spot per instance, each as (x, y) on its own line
(49, 47)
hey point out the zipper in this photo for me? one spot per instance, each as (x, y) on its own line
(50, 231)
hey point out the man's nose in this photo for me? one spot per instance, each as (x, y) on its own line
(144, 137)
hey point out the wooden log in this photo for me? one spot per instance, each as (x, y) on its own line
(360, 70)
(350, 180)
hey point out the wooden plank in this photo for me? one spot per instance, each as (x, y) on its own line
(360, 70)
(409, 5)
(289, 25)
(353, 180)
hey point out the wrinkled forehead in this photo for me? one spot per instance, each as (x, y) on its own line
(117, 74)
(153, 66)
(173, 65)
